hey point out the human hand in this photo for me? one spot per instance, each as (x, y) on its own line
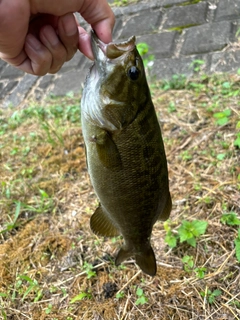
(39, 36)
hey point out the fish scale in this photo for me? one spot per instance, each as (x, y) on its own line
(125, 152)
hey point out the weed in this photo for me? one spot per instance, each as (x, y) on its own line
(142, 299)
(222, 117)
(148, 59)
(189, 267)
(237, 245)
(13, 223)
(200, 272)
(81, 296)
(48, 310)
(32, 286)
(230, 219)
(88, 268)
(120, 295)
(186, 155)
(211, 296)
(188, 263)
(177, 82)
(237, 140)
(196, 64)
(188, 231)
(172, 107)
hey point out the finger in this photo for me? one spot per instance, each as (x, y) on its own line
(97, 13)
(68, 34)
(55, 48)
(39, 59)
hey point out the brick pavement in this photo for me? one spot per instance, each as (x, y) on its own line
(178, 32)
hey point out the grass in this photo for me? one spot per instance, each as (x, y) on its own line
(53, 267)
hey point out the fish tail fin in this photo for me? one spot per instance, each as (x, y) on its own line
(123, 254)
(145, 259)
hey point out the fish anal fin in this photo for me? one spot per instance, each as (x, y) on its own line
(101, 225)
(167, 209)
(107, 150)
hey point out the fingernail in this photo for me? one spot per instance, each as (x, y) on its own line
(69, 24)
(32, 42)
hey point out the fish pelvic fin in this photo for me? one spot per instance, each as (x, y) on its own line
(167, 209)
(145, 259)
(101, 225)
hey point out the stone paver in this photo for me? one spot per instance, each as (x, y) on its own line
(207, 38)
(186, 16)
(178, 33)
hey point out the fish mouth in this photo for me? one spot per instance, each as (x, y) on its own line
(103, 51)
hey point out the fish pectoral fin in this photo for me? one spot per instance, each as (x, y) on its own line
(167, 209)
(101, 225)
(145, 259)
(107, 151)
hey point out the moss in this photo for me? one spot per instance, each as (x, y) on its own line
(181, 28)
(185, 3)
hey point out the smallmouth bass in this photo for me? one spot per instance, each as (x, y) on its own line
(125, 153)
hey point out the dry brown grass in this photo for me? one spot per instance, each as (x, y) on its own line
(46, 201)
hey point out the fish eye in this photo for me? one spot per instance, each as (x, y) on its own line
(133, 73)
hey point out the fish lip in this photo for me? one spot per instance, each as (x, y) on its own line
(111, 50)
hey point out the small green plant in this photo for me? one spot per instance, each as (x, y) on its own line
(186, 155)
(81, 296)
(171, 107)
(200, 272)
(211, 295)
(222, 117)
(237, 140)
(24, 286)
(230, 219)
(189, 267)
(196, 65)
(171, 237)
(48, 310)
(237, 245)
(88, 268)
(177, 82)
(148, 59)
(188, 263)
(13, 223)
(120, 295)
(188, 231)
(142, 299)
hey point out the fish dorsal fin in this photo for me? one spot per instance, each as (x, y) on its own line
(101, 225)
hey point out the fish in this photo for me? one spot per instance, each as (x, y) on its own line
(125, 153)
